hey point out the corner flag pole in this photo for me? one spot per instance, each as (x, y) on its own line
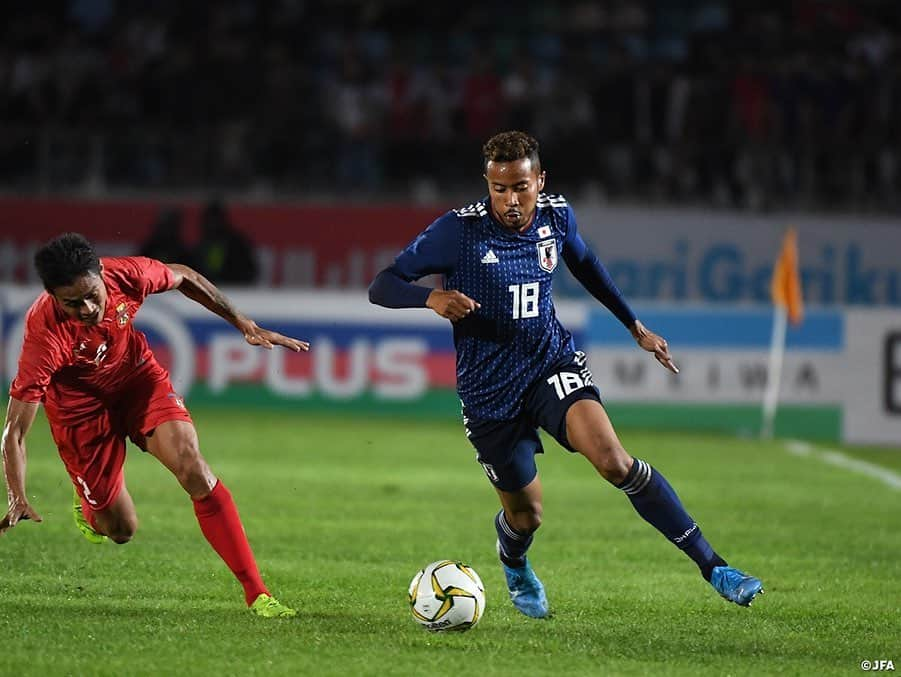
(774, 371)
(788, 304)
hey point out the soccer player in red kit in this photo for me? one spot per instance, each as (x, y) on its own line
(100, 383)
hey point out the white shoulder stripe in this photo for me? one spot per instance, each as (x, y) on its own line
(475, 209)
(545, 200)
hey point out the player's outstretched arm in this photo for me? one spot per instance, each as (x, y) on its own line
(587, 269)
(19, 417)
(197, 288)
(653, 344)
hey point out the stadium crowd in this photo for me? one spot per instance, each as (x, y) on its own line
(749, 103)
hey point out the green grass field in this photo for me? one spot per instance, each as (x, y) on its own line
(342, 511)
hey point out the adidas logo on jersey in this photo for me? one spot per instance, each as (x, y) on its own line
(490, 257)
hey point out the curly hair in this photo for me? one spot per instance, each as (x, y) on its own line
(64, 259)
(509, 147)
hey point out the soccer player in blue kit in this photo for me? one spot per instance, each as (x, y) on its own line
(517, 367)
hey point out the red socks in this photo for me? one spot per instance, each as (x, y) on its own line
(221, 524)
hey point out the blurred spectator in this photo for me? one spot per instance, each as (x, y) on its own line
(483, 100)
(223, 254)
(357, 101)
(166, 240)
(736, 103)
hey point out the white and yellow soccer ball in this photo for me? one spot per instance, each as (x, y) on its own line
(447, 595)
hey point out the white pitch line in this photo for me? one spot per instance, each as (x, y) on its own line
(840, 460)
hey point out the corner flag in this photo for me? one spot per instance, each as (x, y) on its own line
(786, 284)
(787, 301)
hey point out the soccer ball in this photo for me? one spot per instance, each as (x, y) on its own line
(447, 595)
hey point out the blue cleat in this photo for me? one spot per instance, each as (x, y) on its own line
(735, 585)
(526, 590)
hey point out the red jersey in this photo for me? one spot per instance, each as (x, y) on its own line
(77, 370)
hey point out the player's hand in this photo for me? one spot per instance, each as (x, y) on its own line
(18, 510)
(654, 344)
(451, 304)
(255, 335)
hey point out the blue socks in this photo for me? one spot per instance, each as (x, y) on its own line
(512, 544)
(657, 502)
(654, 499)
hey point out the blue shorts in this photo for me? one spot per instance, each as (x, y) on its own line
(506, 449)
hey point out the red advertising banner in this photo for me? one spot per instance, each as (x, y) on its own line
(297, 245)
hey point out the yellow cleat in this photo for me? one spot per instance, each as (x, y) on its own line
(269, 607)
(82, 524)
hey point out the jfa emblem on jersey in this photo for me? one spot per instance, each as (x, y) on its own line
(547, 255)
(122, 316)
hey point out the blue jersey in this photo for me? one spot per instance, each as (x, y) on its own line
(514, 337)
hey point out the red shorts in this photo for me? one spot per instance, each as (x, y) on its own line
(94, 450)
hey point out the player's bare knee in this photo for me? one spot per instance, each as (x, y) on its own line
(120, 537)
(533, 520)
(195, 479)
(123, 530)
(527, 521)
(192, 470)
(611, 461)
